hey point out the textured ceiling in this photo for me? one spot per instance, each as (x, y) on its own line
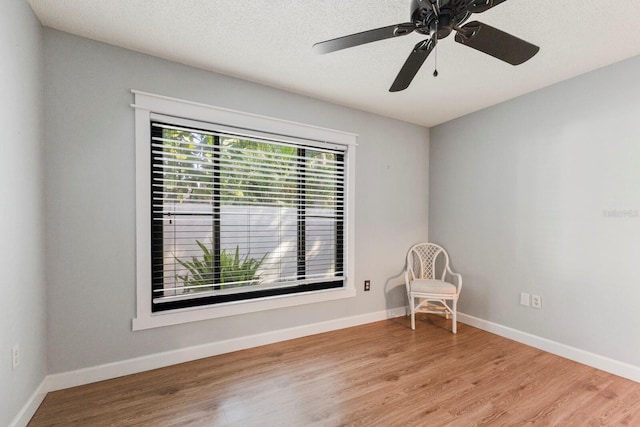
(270, 41)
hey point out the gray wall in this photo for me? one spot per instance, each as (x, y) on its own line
(22, 306)
(90, 200)
(542, 195)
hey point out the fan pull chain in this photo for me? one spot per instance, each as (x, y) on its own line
(435, 71)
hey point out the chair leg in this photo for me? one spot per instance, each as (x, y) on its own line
(413, 313)
(454, 326)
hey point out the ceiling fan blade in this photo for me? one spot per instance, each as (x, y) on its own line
(413, 63)
(479, 6)
(496, 43)
(364, 37)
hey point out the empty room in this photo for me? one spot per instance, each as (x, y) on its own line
(325, 213)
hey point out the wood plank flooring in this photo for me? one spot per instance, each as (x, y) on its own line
(380, 374)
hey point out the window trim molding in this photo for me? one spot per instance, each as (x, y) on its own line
(146, 104)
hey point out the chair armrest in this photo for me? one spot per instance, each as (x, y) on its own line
(458, 276)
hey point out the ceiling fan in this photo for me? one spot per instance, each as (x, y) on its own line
(437, 19)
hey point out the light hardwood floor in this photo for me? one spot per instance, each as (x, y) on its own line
(380, 374)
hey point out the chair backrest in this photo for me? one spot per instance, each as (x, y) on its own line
(421, 261)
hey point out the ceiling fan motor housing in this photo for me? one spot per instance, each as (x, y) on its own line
(451, 13)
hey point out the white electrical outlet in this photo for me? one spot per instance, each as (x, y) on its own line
(524, 299)
(15, 356)
(536, 301)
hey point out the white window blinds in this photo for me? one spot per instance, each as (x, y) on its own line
(240, 216)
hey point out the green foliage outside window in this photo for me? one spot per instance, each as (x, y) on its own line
(233, 268)
(193, 169)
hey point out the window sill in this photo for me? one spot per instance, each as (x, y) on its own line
(195, 314)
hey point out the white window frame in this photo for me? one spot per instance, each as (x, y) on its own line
(146, 104)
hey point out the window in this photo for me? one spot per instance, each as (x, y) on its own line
(238, 218)
(235, 217)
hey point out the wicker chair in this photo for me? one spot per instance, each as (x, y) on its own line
(428, 292)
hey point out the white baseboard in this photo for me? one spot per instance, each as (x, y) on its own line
(29, 408)
(160, 360)
(597, 361)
